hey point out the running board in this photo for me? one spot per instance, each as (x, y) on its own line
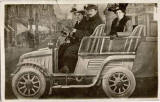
(70, 86)
(73, 86)
(72, 74)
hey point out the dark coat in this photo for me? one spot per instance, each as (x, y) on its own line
(81, 28)
(84, 28)
(89, 26)
(123, 25)
(80, 25)
(70, 50)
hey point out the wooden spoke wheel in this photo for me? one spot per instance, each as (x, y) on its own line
(118, 82)
(29, 83)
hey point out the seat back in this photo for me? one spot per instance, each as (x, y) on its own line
(138, 31)
(99, 30)
(133, 39)
(94, 46)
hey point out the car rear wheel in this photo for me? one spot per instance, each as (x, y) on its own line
(29, 83)
(118, 82)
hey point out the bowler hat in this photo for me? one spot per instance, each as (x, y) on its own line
(91, 6)
(73, 10)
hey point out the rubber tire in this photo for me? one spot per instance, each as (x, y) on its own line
(43, 82)
(105, 84)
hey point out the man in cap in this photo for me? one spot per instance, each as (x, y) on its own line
(93, 20)
(121, 23)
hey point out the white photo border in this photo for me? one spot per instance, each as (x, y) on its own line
(2, 19)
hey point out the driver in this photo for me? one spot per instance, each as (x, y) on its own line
(74, 42)
(83, 27)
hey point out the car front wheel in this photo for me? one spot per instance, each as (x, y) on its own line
(28, 83)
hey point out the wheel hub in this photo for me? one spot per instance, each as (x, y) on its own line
(118, 82)
(29, 84)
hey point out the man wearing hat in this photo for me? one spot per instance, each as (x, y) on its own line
(121, 23)
(83, 27)
(68, 53)
(93, 20)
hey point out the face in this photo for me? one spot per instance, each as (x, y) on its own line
(119, 14)
(79, 16)
(91, 12)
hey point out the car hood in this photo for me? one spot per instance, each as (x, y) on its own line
(37, 53)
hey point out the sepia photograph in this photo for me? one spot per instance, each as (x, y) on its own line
(81, 51)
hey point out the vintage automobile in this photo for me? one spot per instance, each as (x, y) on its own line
(110, 64)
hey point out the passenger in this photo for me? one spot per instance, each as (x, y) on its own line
(85, 10)
(92, 19)
(82, 28)
(121, 23)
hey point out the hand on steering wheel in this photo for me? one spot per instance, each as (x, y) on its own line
(74, 30)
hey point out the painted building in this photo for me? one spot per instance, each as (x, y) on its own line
(27, 16)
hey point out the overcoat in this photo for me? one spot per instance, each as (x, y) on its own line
(123, 25)
(84, 28)
(89, 26)
(71, 47)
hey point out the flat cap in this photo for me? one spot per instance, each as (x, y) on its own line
(91, 6)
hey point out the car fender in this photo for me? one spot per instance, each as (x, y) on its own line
(106, 61)
(40, 67)
(113, 58)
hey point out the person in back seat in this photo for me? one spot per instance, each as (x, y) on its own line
(121, 23)
(84, 27)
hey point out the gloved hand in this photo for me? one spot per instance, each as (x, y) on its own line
(113, 36)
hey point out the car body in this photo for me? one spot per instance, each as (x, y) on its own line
(112, 64)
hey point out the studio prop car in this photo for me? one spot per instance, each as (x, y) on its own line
(111, 64)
